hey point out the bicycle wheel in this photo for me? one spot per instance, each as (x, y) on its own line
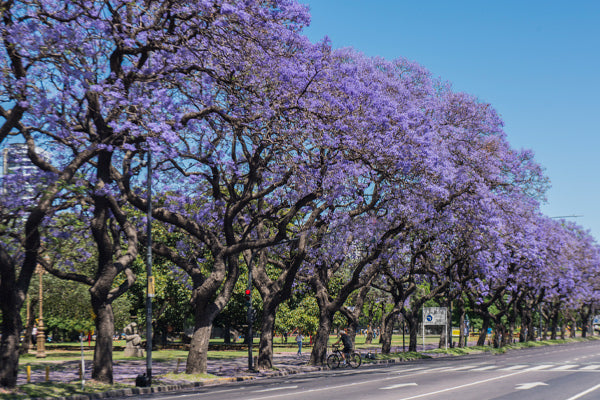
(333, 361)
(354, 360)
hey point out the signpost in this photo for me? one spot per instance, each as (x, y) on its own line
(435, 316)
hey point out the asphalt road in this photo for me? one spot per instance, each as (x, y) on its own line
(565, 372)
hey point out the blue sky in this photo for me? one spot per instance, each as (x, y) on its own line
(536, 62)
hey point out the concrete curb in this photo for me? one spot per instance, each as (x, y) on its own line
(174, 387)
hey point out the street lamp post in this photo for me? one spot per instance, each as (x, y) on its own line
(540, 312)
(150, 278)
(41, 337)
(250, 313)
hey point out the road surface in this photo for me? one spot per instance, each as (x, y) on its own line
(562, 372)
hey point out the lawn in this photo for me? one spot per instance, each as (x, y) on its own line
(71, 351)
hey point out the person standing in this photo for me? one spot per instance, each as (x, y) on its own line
(299, 339)
(34, 335)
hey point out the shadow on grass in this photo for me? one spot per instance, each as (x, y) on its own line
(58, 389)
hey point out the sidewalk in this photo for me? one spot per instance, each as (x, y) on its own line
(125, 371)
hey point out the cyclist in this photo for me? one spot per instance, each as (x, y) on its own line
(347, 342)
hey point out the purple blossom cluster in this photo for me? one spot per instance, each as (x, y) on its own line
(323, 162)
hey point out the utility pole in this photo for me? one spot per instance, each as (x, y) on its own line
(249, 316)
(150, 278)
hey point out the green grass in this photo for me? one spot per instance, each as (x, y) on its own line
(58, 389)
(403, 356)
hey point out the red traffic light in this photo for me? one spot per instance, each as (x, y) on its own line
(247, 292)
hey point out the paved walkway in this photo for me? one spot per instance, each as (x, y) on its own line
(125, 371)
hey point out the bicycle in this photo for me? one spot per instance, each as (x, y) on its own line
(353, 359)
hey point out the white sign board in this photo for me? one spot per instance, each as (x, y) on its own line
(434, 316)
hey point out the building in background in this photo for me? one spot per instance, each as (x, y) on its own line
(15, 162)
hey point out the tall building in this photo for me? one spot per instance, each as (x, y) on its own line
(15, 162)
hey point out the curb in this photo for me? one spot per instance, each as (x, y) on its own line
(174, 387)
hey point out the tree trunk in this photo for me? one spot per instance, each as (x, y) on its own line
(554, 327)
(484, 329)
(352, 329)
(197, 356)
(318, 356)
(530, 328)
(413, 331)
(512, 321)
(9, 344)
(387, 331)
(573, 328)
(525, 322)
(102, 369)
(502, 334)
(585, 314)
(227, 332)
(496, 340)
(26, 345)
(265, 346)
(462, 340)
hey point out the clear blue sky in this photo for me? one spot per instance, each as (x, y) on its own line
(537, 62)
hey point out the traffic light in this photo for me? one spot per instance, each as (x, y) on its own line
(248, 295)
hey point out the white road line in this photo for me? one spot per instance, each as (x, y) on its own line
(461, 386)
(438, 369)
(466, 367)
(589, 368)
(196, 395)
(514, 367)
(279, 395)
(411, 369)
(400, 385)
(563, 367)
(361, 370)
(276, 388)
(539, 367)
(485, 368)
(578, 395)
(530, 385)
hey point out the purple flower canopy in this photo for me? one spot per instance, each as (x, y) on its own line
(258, 136)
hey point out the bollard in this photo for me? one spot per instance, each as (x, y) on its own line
(28, 374)
(47, 373)
(178, 362)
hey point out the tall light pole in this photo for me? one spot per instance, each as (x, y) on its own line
(41, 337)
(150, 278)
(250, 314)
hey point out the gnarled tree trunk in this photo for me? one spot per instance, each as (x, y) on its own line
(318, 355)
(387, 331)
(265, 345)
(198, 354)
(103, 350)
(11, 329)
(484, 328)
